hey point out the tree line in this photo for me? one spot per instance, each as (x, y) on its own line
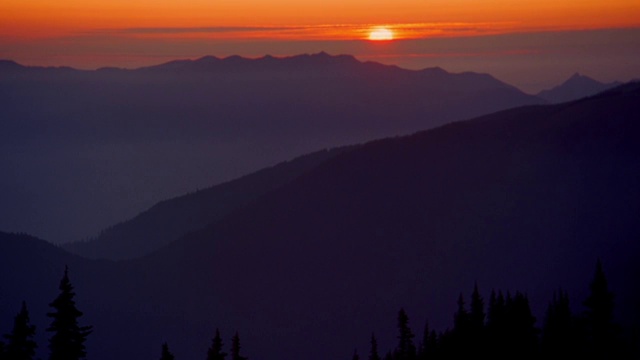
(215, 351)
(67, 341)
(506, 329)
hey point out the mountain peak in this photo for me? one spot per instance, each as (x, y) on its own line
(9, 65)
(575, 87)
(582, 79)
(325, 58)
(435, 70)
(208, 59)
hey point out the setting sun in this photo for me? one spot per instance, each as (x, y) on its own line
(380, 33)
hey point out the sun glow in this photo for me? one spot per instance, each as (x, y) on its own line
(380, 34)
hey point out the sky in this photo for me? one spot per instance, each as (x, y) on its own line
(530, 44)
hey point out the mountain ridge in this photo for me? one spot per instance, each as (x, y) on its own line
(236, 62)
(118, 249)
(110, 142)
(564, 174)
(159, 225)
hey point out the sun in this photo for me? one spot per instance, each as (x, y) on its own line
(380, 34)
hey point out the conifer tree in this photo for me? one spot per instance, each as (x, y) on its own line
(476, 314)
(20, 345)
(461, 317)
(495, 312)
(601, 331)
(461, 334)
(67, 341)
(496, 327)
(446, 344)
(520, 332)
(166, 354)
(405, 350)
(355, 355)
(559, 333)
(215, 351)
(373, 354)
(477, 338)
(235, 348)
(429, 346)
(433, 346)
(423, 346)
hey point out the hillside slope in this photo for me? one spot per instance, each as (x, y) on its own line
(526, 199)
(171, 219)
(83, 150)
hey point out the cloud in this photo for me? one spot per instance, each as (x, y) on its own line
(311, 32)
(195, 30)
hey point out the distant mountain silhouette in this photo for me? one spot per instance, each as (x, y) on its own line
(171, 219)
(8, 65)
(82, 150)
(576, 87)
(525, 199)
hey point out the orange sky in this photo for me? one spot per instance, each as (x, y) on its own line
(20, 19)
(531, 44)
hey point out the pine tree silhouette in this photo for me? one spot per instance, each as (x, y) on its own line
(20, 345)
(496, 327)
(477, 336)
(461, 334)
(428, 348)
(405, 350)
(373, 353)
(521, 333)
(495, 310)
(235, 348)
(423, 346)
(433, 346)
(215, 351)
(476, 314)
(67, 341)
(601, 330)
(166, 354)
(355, 355)
(559, 332)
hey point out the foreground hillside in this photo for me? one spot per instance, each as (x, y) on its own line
(521, 200)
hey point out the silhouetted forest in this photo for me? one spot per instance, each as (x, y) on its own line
(504, 327)
(215, 351)
(68, 337)
(67, 341)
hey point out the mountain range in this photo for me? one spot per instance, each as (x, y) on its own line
(149, 230)
(83, 150)
(576, 87)
(526, 199)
